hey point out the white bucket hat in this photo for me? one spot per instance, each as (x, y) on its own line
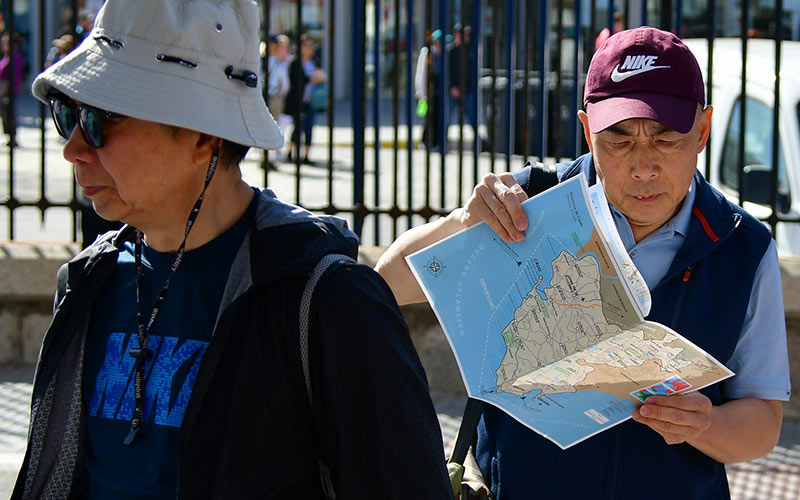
(188, 63)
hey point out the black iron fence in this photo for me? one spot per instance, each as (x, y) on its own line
(423, 98)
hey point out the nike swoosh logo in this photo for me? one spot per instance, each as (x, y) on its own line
(618, 76)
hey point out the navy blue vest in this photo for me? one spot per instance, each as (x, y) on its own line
(703, 296)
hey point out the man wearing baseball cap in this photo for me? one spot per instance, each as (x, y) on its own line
(201, 351)
(711, 268)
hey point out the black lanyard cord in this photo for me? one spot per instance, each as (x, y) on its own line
(141, 353)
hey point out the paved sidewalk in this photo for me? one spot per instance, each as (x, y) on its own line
(775, 477)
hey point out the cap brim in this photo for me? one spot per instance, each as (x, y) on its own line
(677, 113)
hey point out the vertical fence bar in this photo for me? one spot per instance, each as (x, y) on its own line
(679, 18)
(409, 110)
(477, 13)
(376, 113)
(710, 77)
(76, 210)
(508, 101)
(493, 93)
(13, 203)
(558, 142)
(396, 116)
(577, 68)
(743, 97)
(593, 20)
(461, 102)
(433, 101)
(526, 87)
(298, 113)
(40, 107)
(644, 12)
(357, 106)
(544, 51)
(331, 100)
(444, 105)
(265, 12)
(776, 106)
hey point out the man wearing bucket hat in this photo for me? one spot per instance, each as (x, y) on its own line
(711, 268)
(172, 366)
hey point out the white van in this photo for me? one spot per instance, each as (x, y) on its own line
(725, 128)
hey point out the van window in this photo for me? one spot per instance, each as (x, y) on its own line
(757, 148)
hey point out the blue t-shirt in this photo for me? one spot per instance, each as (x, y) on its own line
(178, 339)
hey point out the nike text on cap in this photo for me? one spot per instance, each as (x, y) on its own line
(643, 73)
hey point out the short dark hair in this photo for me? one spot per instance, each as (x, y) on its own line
(231, 154)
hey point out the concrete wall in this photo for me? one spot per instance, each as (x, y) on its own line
(27, 285)
(28, 278)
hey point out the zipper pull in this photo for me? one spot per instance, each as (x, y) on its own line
(687, 273)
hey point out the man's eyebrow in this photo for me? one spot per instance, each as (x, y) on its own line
(617, 129)
(658, 129)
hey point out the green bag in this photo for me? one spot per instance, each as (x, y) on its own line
(422, 107)
(467, 483)
(319, 96)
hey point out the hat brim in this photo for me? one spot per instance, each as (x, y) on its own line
(677, 113)
(168, 95)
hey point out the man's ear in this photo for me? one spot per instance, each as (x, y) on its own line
(587, 135)
(705, 128)
(204, 146)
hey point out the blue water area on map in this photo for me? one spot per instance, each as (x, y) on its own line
(476, 281)
(561, 417)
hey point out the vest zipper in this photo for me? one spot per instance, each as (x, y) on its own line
(687, 274)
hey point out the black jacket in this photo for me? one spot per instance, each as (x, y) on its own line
(248, 430)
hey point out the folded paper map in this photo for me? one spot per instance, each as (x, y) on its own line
(551, 330)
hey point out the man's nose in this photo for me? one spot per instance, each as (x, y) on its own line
(77, 149)
(645, 163)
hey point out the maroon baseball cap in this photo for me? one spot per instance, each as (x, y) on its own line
(643, 73)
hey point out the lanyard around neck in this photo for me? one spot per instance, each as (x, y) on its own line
(141, 353)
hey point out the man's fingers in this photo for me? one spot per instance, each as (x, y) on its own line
(677, 417)
(693, 401)
(512, 195)
(497, 201)
(486, 207)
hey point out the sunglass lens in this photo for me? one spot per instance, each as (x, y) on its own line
(63, 116)
(92, 126)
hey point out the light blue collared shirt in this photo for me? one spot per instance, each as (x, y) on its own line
(760, 360)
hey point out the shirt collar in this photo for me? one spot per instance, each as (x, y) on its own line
(684, 216)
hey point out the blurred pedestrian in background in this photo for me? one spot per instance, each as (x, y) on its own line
(61, 46)
(85, 23)
(303, 75)
(426, 85)
(462, 90)
(278, 82)
(12, 72)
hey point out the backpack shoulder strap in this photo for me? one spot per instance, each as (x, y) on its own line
(305, 314)
(305, 306)
(467, 430)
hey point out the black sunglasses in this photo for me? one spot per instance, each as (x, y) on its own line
(67, 114)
